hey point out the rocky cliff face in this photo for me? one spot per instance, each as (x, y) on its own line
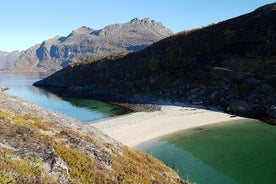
(8, 58)
(40, 146)
(84, 42)
(230, 65)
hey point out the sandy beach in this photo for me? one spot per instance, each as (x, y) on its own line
(140, 127)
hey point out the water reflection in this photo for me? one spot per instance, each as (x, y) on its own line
(86, 110)
(43, 92)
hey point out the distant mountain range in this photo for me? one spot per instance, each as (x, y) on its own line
(230, 65)
(84, 43)
(8, 58)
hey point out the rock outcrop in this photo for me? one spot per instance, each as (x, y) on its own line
(3, 88)
(84, 43)
(230, 65)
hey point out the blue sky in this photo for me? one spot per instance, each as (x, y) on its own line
(25, 23)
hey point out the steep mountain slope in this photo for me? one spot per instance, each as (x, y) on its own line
(40, 146)
(83, 43)
(230, 65)
(8, 58)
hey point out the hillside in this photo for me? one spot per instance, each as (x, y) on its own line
(40, 146)
(85, 42)
(230, 65)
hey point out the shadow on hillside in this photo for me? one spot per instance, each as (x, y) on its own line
(143, 102)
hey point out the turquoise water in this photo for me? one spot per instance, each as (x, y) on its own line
(86, 110)
(232, 152)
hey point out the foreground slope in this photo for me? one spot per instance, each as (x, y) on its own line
(230, 65)
(84, 42)
(58, 149)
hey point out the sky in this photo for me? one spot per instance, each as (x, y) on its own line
(25, 23)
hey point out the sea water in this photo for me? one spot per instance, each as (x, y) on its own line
(85, 110)
(242, 151)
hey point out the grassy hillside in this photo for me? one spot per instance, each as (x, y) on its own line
(230, 65)
(33, 150)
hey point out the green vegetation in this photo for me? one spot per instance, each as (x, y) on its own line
(26, 170)
(24, 155)
(82, 167)
(138, 167)
(108, 58)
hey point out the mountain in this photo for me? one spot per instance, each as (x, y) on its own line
(8, 58)
(40, 146)
(230, 65)
(84, 42)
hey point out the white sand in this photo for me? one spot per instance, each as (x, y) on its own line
(140, 127)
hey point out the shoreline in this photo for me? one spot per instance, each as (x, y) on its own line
(139, 127)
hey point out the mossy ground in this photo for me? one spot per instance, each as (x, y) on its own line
(25, 139)
(22, 170)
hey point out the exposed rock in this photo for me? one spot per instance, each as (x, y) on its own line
(2, 88)
(84, 43)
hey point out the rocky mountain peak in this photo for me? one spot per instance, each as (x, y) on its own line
(82, 30)
(84, 43)
(148, 22)
(144, 20)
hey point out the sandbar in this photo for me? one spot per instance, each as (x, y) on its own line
(139, 127)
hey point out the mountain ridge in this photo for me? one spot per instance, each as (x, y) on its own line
(84, 42)
(229, 65)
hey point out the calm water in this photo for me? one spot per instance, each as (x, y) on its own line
(233, 152)
(20, 84)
